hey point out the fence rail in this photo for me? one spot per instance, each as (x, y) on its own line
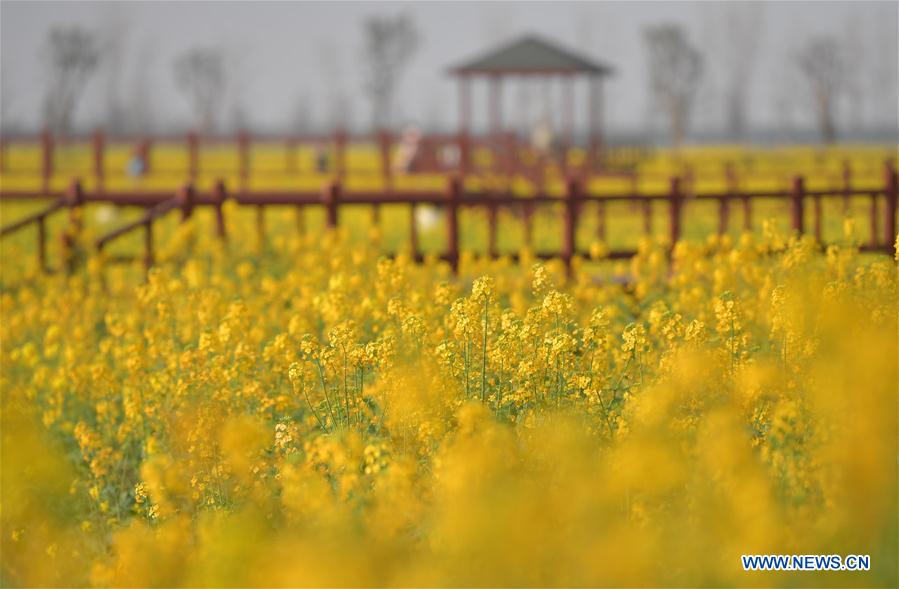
(455, 197)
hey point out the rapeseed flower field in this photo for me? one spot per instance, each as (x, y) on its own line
(306, 411)
(315, 414)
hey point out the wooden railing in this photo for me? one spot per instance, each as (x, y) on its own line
(183, 200)
(333, 198)
(72, 200)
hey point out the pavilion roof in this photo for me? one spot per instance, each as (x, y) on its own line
(530, 55)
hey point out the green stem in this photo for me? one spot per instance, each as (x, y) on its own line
(321, 377)
(484, 359)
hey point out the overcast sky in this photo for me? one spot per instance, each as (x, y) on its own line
(286, 55)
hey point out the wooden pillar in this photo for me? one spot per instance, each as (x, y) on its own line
(875, 226)
(595, 123)
(500, 159)
(148, 246)
(676, 202)
(454, 195)
(219, 196)
(98, 159)
(74, 200)
(569, 224)
(892, 196)
(512, 163)
(42, 243)
(724, 204)
(144, 149)
(464, 124)
(797, 209)
(413, 232)
(185, 199)
(496, 122)
(747, 212)
(817, 214)
(330, 199)
(568, 118)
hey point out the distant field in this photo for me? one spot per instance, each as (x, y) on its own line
(756, 169)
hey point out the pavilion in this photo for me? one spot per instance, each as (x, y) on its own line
(531, 57)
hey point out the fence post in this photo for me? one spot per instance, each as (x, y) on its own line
(193, 155)
(464, 153)
(569, 225)
(817, 213)
(219, 195)
(724, 203)
(529, 223)
(243, 150)
(847, 184)
(747, 212)
(797, 208)
(675, 209)
(512, 164)
(99, 141)
(74, 200)
(413, 231)
(148, 245)
(144, 150)
(42, 243)
(47, 159)
(185, 198)
(892, 195)
(454, 194)
(330, 198)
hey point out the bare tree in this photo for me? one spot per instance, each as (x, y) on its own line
(200, 74)
(390, 43)
(140, 92)
(735, 31)
(882, 80)
(301, 118)
(73, 55)
(331, 69)
(854, 52)
(675, 70)
(822, 61)
(113, 34)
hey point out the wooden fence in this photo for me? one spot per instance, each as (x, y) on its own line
(507, 149)
(333, 198)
